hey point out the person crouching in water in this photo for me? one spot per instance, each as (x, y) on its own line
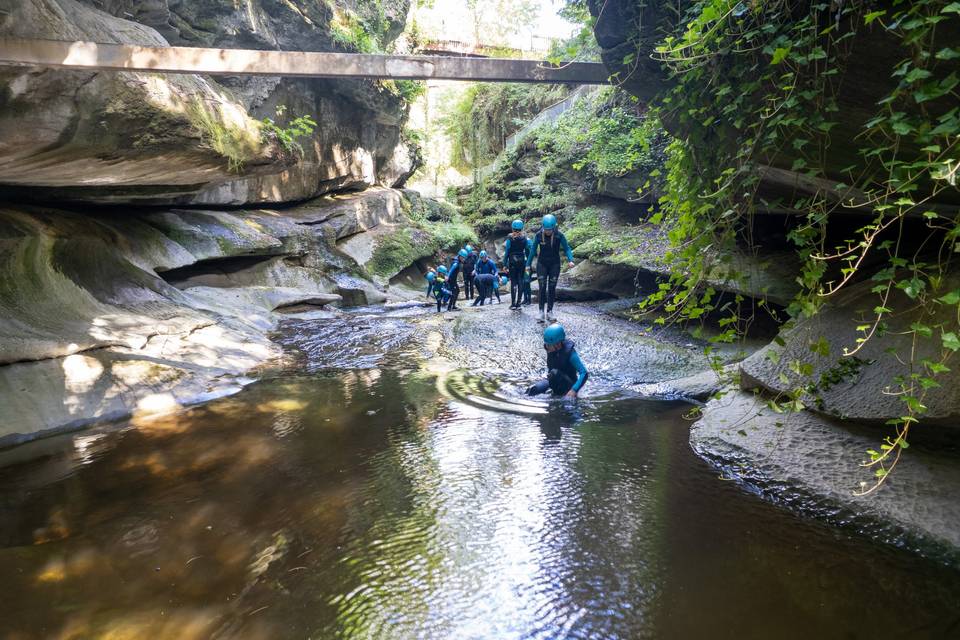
(566, 373)
(516, 250)
(548, 243)
(438, 286)
(486, 273)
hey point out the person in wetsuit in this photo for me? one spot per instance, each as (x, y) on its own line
(566, 373)
(452, 274)
(516, 249)
(440, 290)
(469, 264)
(547, 245)
(486, 273)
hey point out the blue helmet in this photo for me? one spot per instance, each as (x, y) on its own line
(468, 248)
(554, 334)
(463, 253)
(517, 225)
(431, 276)
(483, 254)
(549, 222)
(442, 270)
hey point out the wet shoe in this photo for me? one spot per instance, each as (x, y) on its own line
(542, 318)
(551, 317)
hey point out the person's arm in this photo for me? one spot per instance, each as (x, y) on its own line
(532, 253)
(581, 372)
(566, 248)
(429, 287)
(506, 247)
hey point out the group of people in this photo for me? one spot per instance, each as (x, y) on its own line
(481, 274)
(566, 373)
(482, 280)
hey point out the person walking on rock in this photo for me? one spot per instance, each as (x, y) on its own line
(452, 274)
(516, 250)
(566, 373)
(547, 246)
(469, 264)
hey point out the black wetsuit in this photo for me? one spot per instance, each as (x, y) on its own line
(452, 274)
(469, 264)
(565, 371)
(547, 251)
(516, 250)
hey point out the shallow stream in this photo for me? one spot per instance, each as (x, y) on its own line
(392, 482)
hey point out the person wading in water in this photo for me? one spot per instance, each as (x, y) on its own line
(566, 373)
(516, 250)
(547, 244)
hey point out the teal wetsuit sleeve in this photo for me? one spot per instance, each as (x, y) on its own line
(566, 247)
(581, 371)
(506, 247)
(532, 253)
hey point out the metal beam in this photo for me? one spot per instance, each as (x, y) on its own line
(236, 62)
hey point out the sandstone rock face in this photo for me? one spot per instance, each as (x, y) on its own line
(168, 139)
(859, 387)
(104, 313)
(812, 464)
(113, 131)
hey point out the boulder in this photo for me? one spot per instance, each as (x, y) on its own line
(860, 387)
(812, 464)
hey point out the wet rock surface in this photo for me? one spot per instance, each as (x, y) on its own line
(813, 464)
(857, 386)
(103, 314)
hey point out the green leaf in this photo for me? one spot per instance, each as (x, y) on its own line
(951, 298)
(780, 54)
(953, 7)
(950, 341)
(873, 15)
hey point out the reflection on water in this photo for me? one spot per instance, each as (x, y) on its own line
(395, 503)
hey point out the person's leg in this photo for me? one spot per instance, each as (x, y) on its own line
(560, 383)
(527, 293)
(542, 271)
(516, 284)
(540, 387)
(552, 286)
(454, 294)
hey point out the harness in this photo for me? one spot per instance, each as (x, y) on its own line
(517, 255)
(560, 360)
(549, 252)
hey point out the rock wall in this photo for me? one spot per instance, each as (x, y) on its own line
(108, 313)
(184, 139)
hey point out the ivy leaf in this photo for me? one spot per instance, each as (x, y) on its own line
(951, 298)
(950, 341)
(780, 54)
(873, 15)
(948, 53)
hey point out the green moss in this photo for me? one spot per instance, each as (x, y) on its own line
(238, 144)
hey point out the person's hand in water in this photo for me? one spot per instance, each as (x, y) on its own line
(570, 264)
(571, 395)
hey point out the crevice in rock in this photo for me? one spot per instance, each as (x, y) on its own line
(214, 272)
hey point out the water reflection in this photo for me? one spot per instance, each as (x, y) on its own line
(383, 502)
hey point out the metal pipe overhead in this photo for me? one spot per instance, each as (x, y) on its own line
(24, 52)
